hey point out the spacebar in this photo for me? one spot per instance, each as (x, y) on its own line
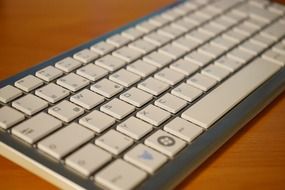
(218, 102)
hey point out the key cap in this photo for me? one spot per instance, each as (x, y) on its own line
(66, 111)
(110, 62)
(92, 72)
(36, 127)
(240, 55)
(106, 88)
(170, 31)
(183, 129)
(127, 54)
(29, 83)
(169, 76)
(158, 20)
(251, 48)
(262, 40)
(85, 56)
(229, 63)
(118, 40)
(165, 143)
(202, 82)
(186, 43)
(146, 27)
(97, 121)
(145, 158)
(57, 145)
(142, 46)
(233, 91)
(49, 73)
(210, 50)
(198, 58)
(117, 108)
(87, 99)
(157, 59)
(29, 104)
(134, 128)
(262, 14)
(124, 77)
(72, 82)
(216, 72)
(141, 68)
(187, 92)
(245, 28)
(132, 33)
(170, 103)
(153, 86)
(172, 51)
(52, 92)
(274, 57)
(185, 67)
(196, 18)
(9, 117)
(275, 31)
(88, 159)
(153, 115)
(172, 14)
(277, 8)
(9, 93)
(114, 142)
(136, 97)
(211, 29)
(67, 64)
(223, 22)
(103, 48)
(279, 48)
(183, 25)
(156, 39)
(223, 43)
(234, 36)
(117, 176)
(198, 36)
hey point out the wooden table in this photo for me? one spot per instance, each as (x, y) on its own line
(32, 31)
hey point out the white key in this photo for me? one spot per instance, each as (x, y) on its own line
(72, 82)
(136, 97)
(117, 176)
(275, 31)
(183, 129)
(158, 20)
(153, 115)
(128, 54)
(9, 117)
(85, 56)
(29, 104)
(141, 68)
(223, 22)
(234, 36)
(114, 142)
(49, 73)
(196, 18)
(92, 72)
(240, 55)
(216, 72)
(118, 40)
(211, 29)
(228, 63)
(277, 8)
(134, 128)
(110, 62)
(185, 67)
(88, 159)
(58, 145)
(29, 83)
(274, 57)
(185, 43)
(145, 158)
(66, 111)
(157, 59)
(279, 48)
(262, 14)
(103, 48)
(170, 31)
(117, 108)
(9, 93)
(170, 103)
(172, 14)
(255, 23)
(68, 64)
(245, 28)
(223, 43)
(198, 36)
(169, 76)
(187, 92)
(142, 46)
(124, 77)
(97, 121)
(262, 40)
(157, 39)
(106, 88)
(52, 92)
(87, 99)
(198, 58)
(233, 91)
(223, 5)
(208, 12)
(251, 47)
(146, 27)
(210, 50)
(153, 86)
(202, 82)
(172, 51)
(165, 143)
(36, 127)
(132, 33)
(183, 25)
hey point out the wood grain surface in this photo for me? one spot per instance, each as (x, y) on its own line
(32, 31)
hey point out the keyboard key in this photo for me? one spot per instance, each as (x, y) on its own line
(157, 59)
(251, 47)
(234, 36)
(66, 111)
(202, 82)
(106, 88)
(103, 48)
(92, 72)
(9, 93)
(87, 99)
(57, 145)
(165, 143)
(274, 57)
(132, 33)
(127, 54)
(88, 159)
(30, 104)
(156, 38)
(97, 121)
(146, 26)
(240, 55)
(153, 86)
(280, 47)
(117, 176)
(49, 73)
(36, 127)
(170, 31)
(210, 50)
(141, 68)
(29, 83)
(183, 25)
(114, 142)
(134, 128)
(72, 82)
(9, 117)
(124, 77)
(185, 43)
(118, 40)
(262, 40)
(110, 62)
(199, 58)
(198, 36)
(187, 92)
(170, 103)
(169, 76)
(52, 92)
(117, 108)
(172, 51)
(216, 72)
(142, 46)
(85, 56)
(228, 63)
(136, 97)
(153, 115)
(223, 43)
(145, 158)
(184, 66)
(68, 64)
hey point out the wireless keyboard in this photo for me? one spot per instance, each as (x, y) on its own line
(143, 106)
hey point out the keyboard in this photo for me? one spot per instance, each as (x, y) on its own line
(143, 106)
